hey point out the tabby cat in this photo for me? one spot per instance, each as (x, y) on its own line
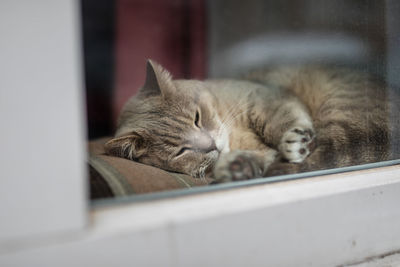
(283, 120)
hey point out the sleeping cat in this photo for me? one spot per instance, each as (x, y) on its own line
(284, 120)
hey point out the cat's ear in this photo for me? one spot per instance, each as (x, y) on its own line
(158, 80)
(131, 146)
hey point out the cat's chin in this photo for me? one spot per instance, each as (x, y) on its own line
(206, 168)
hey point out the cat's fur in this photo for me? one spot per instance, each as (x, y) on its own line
(284, 120)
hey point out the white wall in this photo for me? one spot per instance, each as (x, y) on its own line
(42, 185)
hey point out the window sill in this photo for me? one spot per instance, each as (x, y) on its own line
(322, 221)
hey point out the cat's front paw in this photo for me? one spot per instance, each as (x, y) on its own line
(236, 166)
(296, 144)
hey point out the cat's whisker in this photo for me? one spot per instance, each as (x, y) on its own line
(240, 108)
(230, 115)
(229, 112)
(233, 117)
(227, 123)
(234, 107)
(200, 172)
(231, 109)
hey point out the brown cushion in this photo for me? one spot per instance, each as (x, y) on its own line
(114, 177)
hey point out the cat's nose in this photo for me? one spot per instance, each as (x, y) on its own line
(212, 147)
(203, 142)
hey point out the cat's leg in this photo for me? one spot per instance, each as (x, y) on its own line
(240, 165)
(290, 130)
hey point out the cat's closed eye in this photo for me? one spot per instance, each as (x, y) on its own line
(181, 151)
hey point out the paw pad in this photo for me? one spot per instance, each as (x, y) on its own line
(239, 165)
(295, 144)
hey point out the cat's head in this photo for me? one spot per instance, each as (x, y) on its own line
(170, 124)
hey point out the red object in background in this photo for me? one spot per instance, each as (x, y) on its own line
(169, 32)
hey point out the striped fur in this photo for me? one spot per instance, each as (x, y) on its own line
(277, 121)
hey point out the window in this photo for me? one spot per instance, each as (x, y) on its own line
(354, 215)
(228, 39)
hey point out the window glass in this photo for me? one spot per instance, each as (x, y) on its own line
(192, 95)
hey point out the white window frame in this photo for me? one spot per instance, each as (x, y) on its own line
(321, 221)
(42, 185)
(325, 220)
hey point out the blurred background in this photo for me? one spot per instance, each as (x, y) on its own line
(220, 38)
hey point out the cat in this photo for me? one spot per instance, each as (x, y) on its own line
(277, 121)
